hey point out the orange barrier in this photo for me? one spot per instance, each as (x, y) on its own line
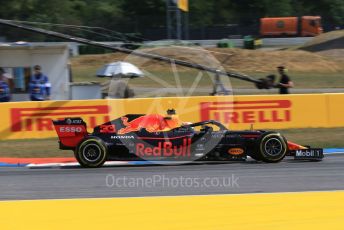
(41, 160)
(33, 119)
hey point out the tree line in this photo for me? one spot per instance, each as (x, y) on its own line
(136, 16)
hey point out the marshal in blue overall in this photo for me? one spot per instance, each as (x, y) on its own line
(5, 93)
(39, 86)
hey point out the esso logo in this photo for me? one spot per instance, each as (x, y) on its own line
(71, 129)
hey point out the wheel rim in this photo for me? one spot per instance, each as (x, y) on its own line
(273, 147)
(91, 152)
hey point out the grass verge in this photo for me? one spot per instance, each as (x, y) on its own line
(187, 78)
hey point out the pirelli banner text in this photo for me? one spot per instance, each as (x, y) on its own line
(21, 120)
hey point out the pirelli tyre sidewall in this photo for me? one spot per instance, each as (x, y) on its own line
(91, 152)
(272, 147)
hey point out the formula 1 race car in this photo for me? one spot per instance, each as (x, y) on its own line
(159, 138)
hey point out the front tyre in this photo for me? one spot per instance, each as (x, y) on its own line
(272, 147)
(91, 153)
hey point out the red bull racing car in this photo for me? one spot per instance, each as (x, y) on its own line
(160, 138)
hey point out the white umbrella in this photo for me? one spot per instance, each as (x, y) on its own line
(119, 69)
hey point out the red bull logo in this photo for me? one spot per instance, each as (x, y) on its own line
(165, 149)
(152, 123)
(247, 111)
(39, 119)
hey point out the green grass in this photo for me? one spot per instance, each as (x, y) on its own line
(187, 78)
(319, 137)
(32, 148)
(301, 80)
(85, 74)
(316, 137)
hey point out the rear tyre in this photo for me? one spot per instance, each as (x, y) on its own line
(91, 153)
(272, 148)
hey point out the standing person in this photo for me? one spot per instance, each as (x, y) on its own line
(5, 94)
(285, 83)
(7, 77)
(39, 86)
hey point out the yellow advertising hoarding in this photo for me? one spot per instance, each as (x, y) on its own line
(335, 107)
(33, 119)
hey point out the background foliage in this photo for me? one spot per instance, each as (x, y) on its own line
(137, 15)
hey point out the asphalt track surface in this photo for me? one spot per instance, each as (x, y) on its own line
(197, 179)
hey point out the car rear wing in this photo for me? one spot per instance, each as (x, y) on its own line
(70, 131)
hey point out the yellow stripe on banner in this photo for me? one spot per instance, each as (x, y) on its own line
(20, 120)
(306, 210)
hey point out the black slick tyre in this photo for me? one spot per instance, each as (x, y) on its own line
(271, 148)
(91, 153)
